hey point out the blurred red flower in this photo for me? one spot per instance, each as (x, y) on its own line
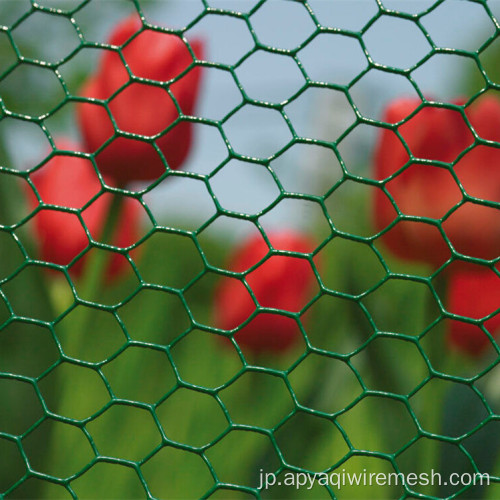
(71, 182)
(423, 189)
(145, 109)
(281, 282)
(474, 295)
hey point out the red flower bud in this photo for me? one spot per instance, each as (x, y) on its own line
(146, 109)
(428, 190)
(280, 282)
(71, 182)
(474, 295)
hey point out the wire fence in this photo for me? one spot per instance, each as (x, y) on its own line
(322, 299)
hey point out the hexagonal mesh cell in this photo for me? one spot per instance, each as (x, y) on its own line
(249, 249)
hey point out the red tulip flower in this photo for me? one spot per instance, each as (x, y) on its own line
(146, 109)
(424, 189)
(71, 182)
(279, 282)
(474, 295)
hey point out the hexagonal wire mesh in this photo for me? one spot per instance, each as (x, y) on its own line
(122, 385)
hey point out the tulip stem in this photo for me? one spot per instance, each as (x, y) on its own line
(95, 268)
(435, 397)
(94, 273)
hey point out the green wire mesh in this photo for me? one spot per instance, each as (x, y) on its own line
(33, 321)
